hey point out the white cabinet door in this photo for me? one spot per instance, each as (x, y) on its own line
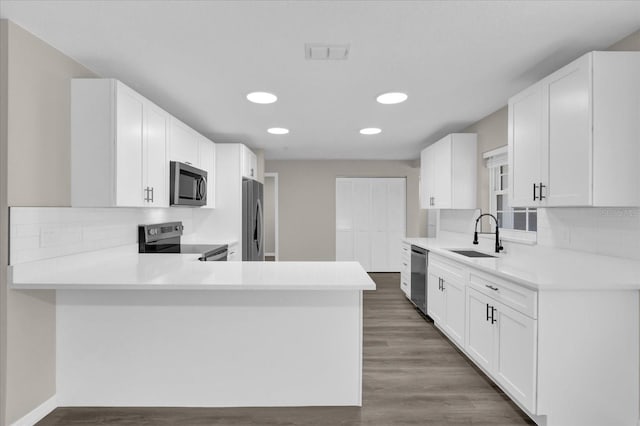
(129, 141)
(184, 143)
(480, 334)
(568, 93)
(454, 310)
(427, 180)
(155, 157)
(525, 146)
(448, 173)
(435, 298)
(207, 161)
(249, 163)
(442, 177)
(515, 354)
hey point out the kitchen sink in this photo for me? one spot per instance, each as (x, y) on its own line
(471, 253)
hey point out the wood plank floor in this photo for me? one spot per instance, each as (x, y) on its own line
(412, 376)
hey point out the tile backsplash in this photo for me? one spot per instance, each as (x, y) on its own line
(45, 232)
(604, 231)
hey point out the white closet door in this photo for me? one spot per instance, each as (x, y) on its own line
(362, 222)
(370, 221)
(396, 221)
(344, 220)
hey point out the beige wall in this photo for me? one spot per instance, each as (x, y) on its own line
(269, 214)
(630, 43)
(38, 173)
(492, 134)
(39, 131)
(4, 222)
(307, 202)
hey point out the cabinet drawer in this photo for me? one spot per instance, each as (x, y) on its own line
(445, 268)
(512, 295)
(405, 251)
(405, 265)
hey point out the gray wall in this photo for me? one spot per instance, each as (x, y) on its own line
(269, 215)
(307, 202)
(36, 135)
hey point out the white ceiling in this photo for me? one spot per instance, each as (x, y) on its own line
(458, 61)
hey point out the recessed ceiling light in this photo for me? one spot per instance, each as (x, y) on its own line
(370, 131)
(262, 97)
(392, 98)
(278, 131)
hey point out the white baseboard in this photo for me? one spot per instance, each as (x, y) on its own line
(38, 413)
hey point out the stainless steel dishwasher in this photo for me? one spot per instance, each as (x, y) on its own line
(419, 278)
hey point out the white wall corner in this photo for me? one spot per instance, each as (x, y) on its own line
(38, 413)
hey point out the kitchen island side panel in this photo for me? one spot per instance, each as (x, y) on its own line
(209, 348)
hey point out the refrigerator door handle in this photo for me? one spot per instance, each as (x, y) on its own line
(257, 233)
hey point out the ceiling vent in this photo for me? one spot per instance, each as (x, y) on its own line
(326, 52)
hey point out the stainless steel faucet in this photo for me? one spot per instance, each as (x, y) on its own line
(475, 233)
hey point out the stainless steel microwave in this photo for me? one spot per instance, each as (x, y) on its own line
(188, 185)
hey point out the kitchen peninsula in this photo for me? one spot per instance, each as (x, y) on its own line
(168, 330)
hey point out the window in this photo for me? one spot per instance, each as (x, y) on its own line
(517, 223)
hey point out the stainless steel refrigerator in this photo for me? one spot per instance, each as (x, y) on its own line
(252, 220)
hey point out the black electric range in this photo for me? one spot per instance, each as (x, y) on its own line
(165, 238)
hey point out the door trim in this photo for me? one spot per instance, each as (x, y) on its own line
(275, 215)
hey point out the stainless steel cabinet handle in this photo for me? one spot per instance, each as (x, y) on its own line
(534, 192)
(152, 194)
(488, 316)
(491, 287)
(493, 319)
(541, 196)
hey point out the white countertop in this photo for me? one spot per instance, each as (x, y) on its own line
(122, 268)
(543, 268)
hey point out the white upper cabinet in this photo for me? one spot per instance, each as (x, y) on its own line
(448, 173)
(154, 156)
(207, 161)
(249, 165)
(573, 137)
(118, 146)
(185, 143)
(525, 145)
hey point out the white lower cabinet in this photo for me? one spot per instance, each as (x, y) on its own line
(515, 354)
(454, 309)
(446, 300)
(405, 269)
(566, 356)
(502, 341)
